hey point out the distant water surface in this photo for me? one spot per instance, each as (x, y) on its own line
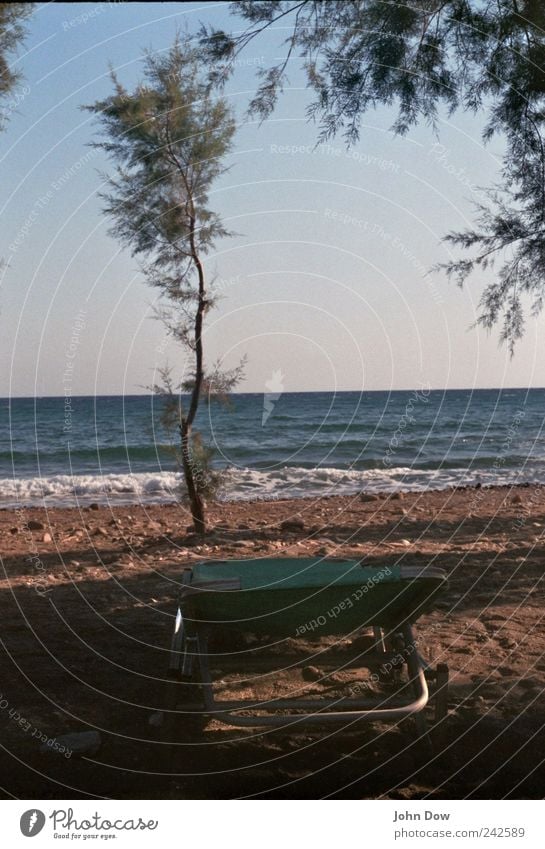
(111, 448)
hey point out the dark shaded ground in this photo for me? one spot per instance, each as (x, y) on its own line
(86, 621)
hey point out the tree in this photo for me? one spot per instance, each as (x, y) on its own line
(168, 139)
(479, 56)
(12, 31)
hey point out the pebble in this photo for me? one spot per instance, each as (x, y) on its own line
(100, 532)
(530, 684)
(78, 742)
(311, 673)
(47, 538)
(33, 525)
(293, 524)
(366, 496)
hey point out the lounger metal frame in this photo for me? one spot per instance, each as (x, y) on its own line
(189, 664)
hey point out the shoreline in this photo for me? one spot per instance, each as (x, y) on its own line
(123, 501)
(411, 524)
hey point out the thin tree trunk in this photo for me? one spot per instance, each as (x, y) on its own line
(195, 500)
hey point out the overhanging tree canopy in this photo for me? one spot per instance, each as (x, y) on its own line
(12, 31)
(480, 56)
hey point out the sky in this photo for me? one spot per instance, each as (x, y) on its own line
(325, 284)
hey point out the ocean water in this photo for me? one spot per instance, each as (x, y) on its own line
(58, 451)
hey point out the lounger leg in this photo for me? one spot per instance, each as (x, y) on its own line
(187, 683)
(415, 669)
(184, 719)
(378, 635)
(173, 677)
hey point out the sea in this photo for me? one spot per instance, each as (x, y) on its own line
(59, 451)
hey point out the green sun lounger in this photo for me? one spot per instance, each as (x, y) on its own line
(285, 599)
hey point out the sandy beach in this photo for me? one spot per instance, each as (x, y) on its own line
(88, 597)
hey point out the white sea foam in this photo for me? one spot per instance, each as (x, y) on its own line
(241, 484)
(69, 489)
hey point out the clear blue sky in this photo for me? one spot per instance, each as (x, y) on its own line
(326, 279)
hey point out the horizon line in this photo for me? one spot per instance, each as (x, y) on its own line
(290, 392)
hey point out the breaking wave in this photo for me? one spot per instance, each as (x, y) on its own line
(243, 484)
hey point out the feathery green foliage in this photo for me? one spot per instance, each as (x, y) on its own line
(168, 139)
(483, 57)
(12, 31)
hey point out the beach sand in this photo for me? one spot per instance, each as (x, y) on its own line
(87, 607)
